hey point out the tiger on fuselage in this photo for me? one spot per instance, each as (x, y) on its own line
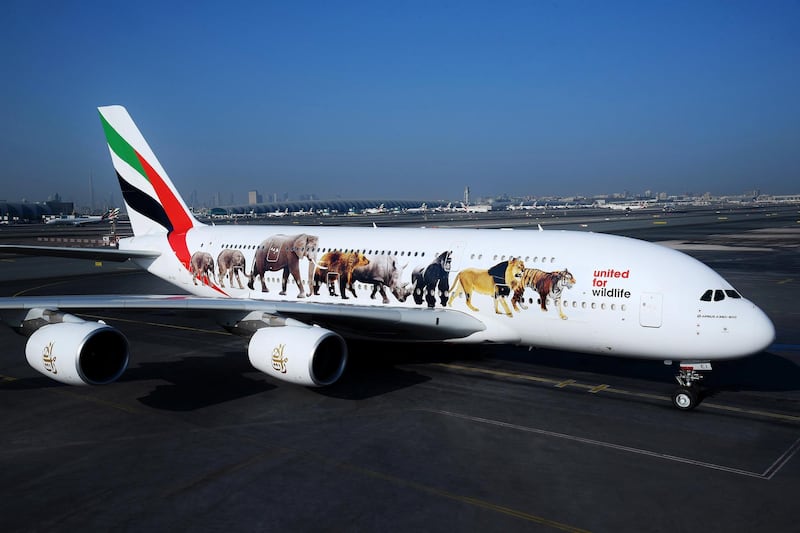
(547, 284)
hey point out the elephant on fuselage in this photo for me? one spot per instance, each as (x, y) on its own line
(283, 252)
(202, 266)
(231, 262)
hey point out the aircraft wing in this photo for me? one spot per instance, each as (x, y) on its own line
(348, 320)
(96, 254)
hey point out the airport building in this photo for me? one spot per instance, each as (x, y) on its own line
(23, 212)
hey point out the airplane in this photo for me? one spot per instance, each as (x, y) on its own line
(576, 291)
(628, 206)
(522, 207)
(375, 210)
(82, 220)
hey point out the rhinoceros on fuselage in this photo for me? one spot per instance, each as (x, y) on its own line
(382, 272)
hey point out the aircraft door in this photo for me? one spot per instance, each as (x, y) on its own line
(650, 310)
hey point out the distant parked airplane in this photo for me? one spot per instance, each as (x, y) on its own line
(82, 220)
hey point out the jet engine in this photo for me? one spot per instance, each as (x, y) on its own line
(78, 352)
(300, 354)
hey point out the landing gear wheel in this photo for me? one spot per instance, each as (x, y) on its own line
(685, 398)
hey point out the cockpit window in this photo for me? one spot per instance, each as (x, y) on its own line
(719, 295)
(732, 294)
(706, 297)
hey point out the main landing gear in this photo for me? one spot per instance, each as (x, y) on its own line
(689, 394)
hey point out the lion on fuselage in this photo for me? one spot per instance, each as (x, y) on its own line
(497, 282)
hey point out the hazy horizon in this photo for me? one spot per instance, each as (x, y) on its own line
(406, 100)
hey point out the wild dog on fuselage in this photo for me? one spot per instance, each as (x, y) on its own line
(497, 282)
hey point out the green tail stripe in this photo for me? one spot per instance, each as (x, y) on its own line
(121, 147)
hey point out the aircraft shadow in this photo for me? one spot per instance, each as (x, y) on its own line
(762, 372)
(371, 371)
(197, 382)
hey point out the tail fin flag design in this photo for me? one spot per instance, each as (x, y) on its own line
(153, 203)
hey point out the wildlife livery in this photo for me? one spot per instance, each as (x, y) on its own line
(338, 266)
(284, 252)
(497, 282)
(626, 307)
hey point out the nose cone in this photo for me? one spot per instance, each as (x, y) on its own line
(759, 333)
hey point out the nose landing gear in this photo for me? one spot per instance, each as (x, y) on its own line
(689, 394)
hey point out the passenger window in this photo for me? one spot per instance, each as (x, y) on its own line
(719, 295)
(706, 297)
(733, 294)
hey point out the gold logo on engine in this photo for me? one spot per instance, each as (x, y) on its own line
(278, 360)
(49, 359)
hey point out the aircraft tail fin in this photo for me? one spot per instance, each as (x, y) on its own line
(152, 201)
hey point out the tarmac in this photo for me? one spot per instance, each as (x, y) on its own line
(431, 437)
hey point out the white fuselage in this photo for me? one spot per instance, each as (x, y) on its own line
(629, 297)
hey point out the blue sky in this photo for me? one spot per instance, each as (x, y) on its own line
(405, 99)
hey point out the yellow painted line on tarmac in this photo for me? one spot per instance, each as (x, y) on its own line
(500, 373)
(594, 389)
(377, 475)
(766, 414)
(660, 222)
(71, 391)
(476, 502)
(785, 281)
(53, 284)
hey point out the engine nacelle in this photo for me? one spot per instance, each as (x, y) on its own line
(78, 353)
(304, 355)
